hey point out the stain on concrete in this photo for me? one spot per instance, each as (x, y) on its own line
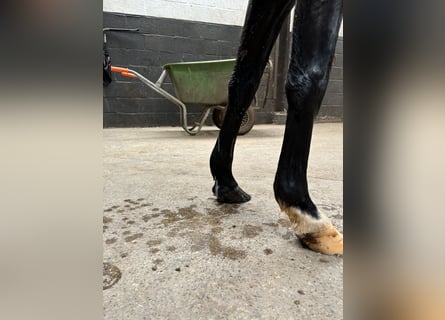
(133, 237)
(110, 275)
(223, 210)
(155, 242)
(172, 233)
(234, 254)
(158, 261)
(217, 230)
(107, 220)
(271, 224)
(212, 220)
(131, 202)
(111, 241)
(187, 222)
(216, 248)
(250, 231)
(214, 245)
(268, 251)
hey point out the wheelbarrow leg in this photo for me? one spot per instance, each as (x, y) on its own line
(263, 23)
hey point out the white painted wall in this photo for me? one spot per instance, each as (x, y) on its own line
(229, 12)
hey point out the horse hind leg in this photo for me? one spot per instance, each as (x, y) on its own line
(315, 33)
(263, 23)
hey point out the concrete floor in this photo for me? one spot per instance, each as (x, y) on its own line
(172, 252)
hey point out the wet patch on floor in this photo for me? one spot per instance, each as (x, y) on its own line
(155, 242)
(107, 220)
(110, 275)
(134, 237)
(201, 229)
(216, 248)
(250, 231)
(217, 230)
(110, 241)
(271, 224)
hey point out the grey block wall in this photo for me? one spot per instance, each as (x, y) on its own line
(129, 103)
(332, 105)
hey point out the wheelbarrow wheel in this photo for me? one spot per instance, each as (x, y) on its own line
(246, 124)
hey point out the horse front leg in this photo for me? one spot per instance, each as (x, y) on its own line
(315, 34)
(262, 25)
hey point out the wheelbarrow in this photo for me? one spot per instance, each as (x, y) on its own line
(200, 83)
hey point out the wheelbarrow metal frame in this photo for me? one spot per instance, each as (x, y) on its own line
(157, 87)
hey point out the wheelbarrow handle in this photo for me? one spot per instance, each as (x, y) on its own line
(128, 75)
(123, 71)
(118, 69)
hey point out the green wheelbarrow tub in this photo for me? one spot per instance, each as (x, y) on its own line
(203, 82)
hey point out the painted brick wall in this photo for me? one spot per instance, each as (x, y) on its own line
(229, 12)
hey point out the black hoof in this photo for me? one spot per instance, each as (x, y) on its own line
(227, 195)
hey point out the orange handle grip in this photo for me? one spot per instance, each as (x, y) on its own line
(118, 69)
(128, 75)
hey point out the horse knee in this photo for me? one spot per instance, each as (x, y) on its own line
(305, 88)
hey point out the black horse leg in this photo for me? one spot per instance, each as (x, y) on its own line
(262, 25)
(315, 34)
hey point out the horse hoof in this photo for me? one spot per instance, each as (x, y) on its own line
(328, 241)
(318, 235)
(226, 195)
